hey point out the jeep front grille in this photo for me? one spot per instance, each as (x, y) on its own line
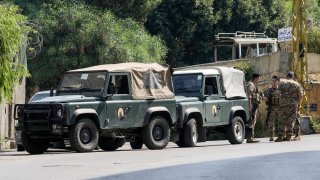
(38, 117)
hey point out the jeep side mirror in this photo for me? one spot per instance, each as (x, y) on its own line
(51, 92)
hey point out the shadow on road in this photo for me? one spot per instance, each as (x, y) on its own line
(292, 165)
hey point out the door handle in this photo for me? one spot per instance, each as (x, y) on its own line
(127, 109)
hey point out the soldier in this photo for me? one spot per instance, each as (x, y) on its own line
(271, 97)
(297, 128)
(291, 96)
(254, 98)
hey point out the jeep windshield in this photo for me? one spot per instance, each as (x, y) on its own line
(187, 84)
(86, 83)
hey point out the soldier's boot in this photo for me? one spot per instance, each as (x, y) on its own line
(297, 138)
(297, 135)
(288, 137)
(279, 139)
(252, 140)
(271, 136)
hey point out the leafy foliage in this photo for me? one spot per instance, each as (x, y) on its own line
(78, 35)
(315, 123)
(136, 9)
(312, 15)
(13, 35)
(247, 68)
(186, 27)
(249, 15)
(313, 40)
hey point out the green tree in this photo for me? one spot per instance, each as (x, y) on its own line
(78, 35)
(13, 36)
(186, 27)
(136, 9)
(312, 15)
(249, 15)
(313, 36)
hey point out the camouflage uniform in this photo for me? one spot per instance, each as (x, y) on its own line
(272, 94)
(297, 128)
(254, 95)
(290, 91)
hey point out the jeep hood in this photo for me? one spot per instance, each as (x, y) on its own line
(186, 99)
(61, 99)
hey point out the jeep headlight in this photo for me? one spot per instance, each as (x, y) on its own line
(20, 112)
(16, 123)
(59, 113)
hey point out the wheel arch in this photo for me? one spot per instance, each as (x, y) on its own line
(193, 113)
(158, 111)
(238, 111)
(85, 113)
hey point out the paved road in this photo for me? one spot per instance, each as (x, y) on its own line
(210, 160)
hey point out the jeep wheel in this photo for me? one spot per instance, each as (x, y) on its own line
(34, 146)
(83, 136)
(110, 144)
(180, 143)
(156, 135)
(191, 133)
(235, 131)
(20, 148)
(137, 144)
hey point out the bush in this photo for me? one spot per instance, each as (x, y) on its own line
(13, 36)
(315, 123)
(313, 40)
(77, 35)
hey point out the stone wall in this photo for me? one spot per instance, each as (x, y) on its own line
(6, 110)
(6, 116)
(314, 63)
(278, 63)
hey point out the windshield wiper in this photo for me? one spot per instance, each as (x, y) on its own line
(85, 89)
(68, 87)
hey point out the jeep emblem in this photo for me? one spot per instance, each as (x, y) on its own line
(120, 113)
(214, 110)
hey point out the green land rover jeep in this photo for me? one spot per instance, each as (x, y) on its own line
(105, 106)
(208, 100)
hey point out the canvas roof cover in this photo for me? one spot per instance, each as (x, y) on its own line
(148, 80)
(233, 82)
(232, 79)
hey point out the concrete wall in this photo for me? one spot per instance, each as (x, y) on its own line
(6, 112)
(278, 63)
(313, 63)
(6, 109)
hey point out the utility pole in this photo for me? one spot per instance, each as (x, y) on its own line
(299, 47)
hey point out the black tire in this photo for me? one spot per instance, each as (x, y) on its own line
(137, 144)
(180, 143)
(236, 131)
(190, 133)
(83, 135)
(110, 144)
(20, 148)
(156, 135)
(34, 146)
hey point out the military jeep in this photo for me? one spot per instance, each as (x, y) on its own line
(105, 106)
(209, 100)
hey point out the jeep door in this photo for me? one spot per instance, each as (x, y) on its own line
(216, 106)
(121, 110)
